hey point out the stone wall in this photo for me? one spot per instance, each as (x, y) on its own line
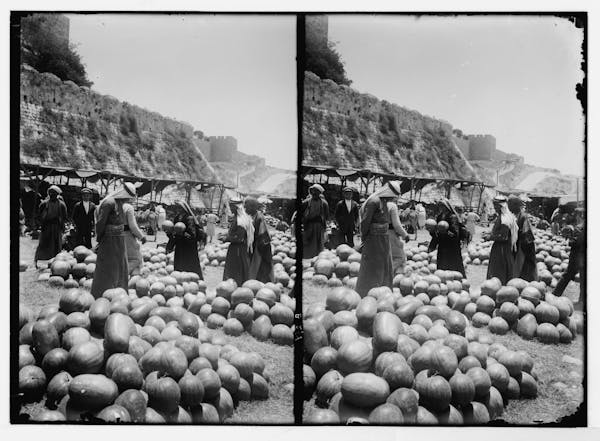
(463, 145)
(327, 95)
(47, 90)
(317, 29)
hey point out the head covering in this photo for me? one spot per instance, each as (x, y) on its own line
(389, 190)
(251, 202)
(499, 199)
(86, 190)
(235, 201)
(509, 219)
(317, 187)
(127, 191)
(514, 203)
(55, 189)
(245, 221)
(446, 203)
(347, 189)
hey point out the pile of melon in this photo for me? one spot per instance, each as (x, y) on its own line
(478, 253)
(527, 308)
(388, 358)
(552, 256)
(261, 309)
(125, 358)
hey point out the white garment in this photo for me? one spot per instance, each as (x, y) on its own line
(86, 206)
(348, 205)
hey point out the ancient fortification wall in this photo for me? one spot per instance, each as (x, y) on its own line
(46, 89)
(327, 95)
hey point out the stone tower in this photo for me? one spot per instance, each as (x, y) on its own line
(317, 29)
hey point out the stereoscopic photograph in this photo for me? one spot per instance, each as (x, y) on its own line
(298, 218)
(443, 213)
(157, 183)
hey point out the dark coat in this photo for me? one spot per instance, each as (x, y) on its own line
(53, 215)
(237, 261)
(186, 246)
(345, 220)
(84, 223)
(449, 255)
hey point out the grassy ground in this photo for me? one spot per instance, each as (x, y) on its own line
(560, 389)
(279, 371)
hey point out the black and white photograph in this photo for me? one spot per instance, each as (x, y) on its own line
(443, 213)
(157, 185)
(228, 217)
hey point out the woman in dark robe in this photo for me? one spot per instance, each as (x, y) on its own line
(241, 240)
(525, 262)
(504, 234)
(376, 267)
(112, 269)
(261, 263)
(448, 243)
(186, 244)
(53, 214)
(315, 211)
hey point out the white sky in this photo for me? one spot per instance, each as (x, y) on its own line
(225, 75)
(511, 77)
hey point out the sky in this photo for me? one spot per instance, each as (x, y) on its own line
(225, 75)
(511, 77)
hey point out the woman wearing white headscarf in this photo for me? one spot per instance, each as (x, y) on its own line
(376, 263)
(505, 233)
(112, 270)
(241, 243)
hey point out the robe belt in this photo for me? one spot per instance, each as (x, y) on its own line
(379, 229)
(114, 230)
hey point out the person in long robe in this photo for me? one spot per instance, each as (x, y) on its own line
(112, 270)
(421, 215)
(448, 243)
(576, 236)
(376, 267)
(241, 242)
(53, 215)
(555, 221)
(471, 220)
(397, 235)
(261, 263)
(83, 218)
(132, 234)
(525, 266)
(315, 212)
(504, 234)
(185, 244)
(413, 220)
(211, 226)
(21, 219)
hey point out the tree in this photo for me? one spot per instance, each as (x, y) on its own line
(45, 51)
(326, 62)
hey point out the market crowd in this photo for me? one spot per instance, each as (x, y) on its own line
(382, 235)
(118, 236)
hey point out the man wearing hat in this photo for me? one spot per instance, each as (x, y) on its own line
(315, 212)
(346, 217)
(53, 214)
(83, 218)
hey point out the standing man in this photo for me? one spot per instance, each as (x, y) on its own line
(576, 236)
(211, 226)
(83, 218)
(53, 214)
(261, 262)
(412, 219)
(346, 217)
(315, 211)
(470, 220)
